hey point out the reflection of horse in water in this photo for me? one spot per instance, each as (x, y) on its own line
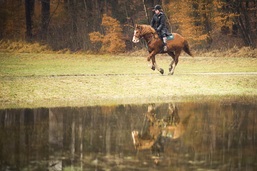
(169, 127)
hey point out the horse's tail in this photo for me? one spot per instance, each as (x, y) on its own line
(186, 48)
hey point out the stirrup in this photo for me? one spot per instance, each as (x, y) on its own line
(165, 48)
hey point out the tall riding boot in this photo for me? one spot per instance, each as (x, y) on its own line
(165, 44)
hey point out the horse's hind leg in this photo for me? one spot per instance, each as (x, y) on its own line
(171, 66)
(174, 63)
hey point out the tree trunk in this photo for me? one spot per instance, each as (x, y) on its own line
(29, 7)
(45, 16)
(243, 21)
(244, 26)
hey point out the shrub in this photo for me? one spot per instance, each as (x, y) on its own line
(111, 41)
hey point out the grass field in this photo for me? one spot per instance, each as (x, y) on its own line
(50, 80)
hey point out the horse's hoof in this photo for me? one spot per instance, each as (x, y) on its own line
(171, 73)
(153, 68)
(161, 71)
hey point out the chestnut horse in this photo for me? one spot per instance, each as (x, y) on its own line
(155, 46)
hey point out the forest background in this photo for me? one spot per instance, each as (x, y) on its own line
(102, 26)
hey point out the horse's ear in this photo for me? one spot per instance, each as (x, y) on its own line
(138, 26)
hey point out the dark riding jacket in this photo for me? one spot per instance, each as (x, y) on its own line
(158, 22)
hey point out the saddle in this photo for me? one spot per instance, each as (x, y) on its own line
(170, 36)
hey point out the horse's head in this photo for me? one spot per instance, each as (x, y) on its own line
(141, 31)
(137, 34)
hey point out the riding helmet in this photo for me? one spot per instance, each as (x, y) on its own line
(157, 7)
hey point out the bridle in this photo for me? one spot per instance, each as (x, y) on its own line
(140, 36)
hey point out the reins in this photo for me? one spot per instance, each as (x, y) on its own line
(152, 37)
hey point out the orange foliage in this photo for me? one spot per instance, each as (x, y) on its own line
(180, 17)
(112, 39)
(192, 19)
(95, 37)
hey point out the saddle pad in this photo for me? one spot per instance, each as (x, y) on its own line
(170, 37)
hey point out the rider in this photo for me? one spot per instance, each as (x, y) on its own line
(158, 23)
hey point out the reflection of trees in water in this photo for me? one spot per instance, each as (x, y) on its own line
(221, 132)
(214, 132)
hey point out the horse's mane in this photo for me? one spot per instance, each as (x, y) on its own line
(147, 29)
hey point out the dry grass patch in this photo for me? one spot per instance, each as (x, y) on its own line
(23, 47)
(49, 80)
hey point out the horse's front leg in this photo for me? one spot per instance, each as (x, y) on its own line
(154, 64)
(151, 54)
(150, 57)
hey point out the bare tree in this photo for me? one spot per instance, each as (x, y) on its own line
(45, 18)
(29, 9)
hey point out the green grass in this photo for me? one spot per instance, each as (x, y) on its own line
(49, 80)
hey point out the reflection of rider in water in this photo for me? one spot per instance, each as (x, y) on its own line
(157, 130)
(158, 22)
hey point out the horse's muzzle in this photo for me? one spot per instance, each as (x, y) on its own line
(135, 40)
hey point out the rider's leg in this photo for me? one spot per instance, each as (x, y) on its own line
(165, 43)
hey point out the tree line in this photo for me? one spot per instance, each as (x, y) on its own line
(71, 24)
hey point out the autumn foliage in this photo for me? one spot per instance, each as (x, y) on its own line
(202, 21)
(112, 39)
(105, 26)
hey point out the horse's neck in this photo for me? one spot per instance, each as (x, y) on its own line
(150, 36)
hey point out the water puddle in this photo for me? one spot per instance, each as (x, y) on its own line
(170, 136)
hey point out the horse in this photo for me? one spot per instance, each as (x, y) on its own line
(155, 46)
(158, 129)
